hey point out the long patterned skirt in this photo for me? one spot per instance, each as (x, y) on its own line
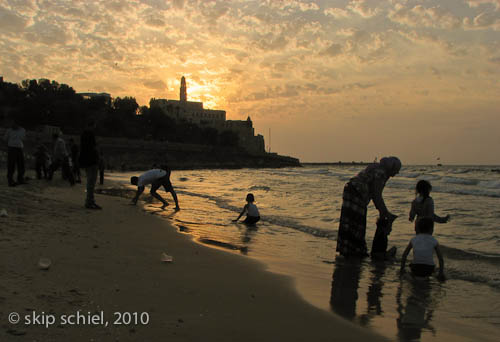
(352, 226)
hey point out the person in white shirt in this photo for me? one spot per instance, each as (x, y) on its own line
(60, 158)
(157, 178)
(252, 211)
(15, 155)
(424, 245)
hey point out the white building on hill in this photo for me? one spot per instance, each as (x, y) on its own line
(194, 112)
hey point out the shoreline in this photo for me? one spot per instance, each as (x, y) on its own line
(109, 261)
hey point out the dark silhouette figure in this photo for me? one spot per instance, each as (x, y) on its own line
(60, 159)
(42, 161)
(251, 210)
(423, 205)
(102, 166)
(14, 138)
(358, 192)
(424, 245)
(89, 160)
(75, 158)
(380, 239)
(157, 178)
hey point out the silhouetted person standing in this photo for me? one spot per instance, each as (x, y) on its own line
(75, 156)
(41, 160)
(89, 160)
(102, 166)
(15, 154)
(60, 158)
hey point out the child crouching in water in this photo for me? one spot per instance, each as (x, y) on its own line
(424, 244)
(250, 208)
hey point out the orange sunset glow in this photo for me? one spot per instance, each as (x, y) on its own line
(333, 80)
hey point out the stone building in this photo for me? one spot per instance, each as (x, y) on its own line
(194, 112)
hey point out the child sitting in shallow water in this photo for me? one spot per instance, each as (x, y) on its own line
(423, 205)
(423, 245)
(250, 208)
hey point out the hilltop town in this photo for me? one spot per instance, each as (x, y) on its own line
(180, 131)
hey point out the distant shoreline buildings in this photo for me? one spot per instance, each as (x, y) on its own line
(194, 112)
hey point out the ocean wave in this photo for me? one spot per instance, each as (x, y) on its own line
(472, 192)
(459, 254)
(473, 277)
(409, 174)
(429, 177)
(490, 184)
(457, 180)
(277, 220)
(314, 231)
(260, 187)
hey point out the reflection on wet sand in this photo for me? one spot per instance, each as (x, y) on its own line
(345, 284)
(375, 292)
(416, 299)
(416, 312)
(248, 232)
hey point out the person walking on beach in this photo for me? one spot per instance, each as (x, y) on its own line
(252, 211)
(60, 159)
(15, 154)
(157, 178)
(366, 186)
(89, 159)
(423, 205)
(75, 156)
(423, 245)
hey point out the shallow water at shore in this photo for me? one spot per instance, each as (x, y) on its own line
(300, 208)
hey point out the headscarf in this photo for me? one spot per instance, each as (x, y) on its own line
(391, 165)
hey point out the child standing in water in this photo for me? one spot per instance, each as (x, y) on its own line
(250, 208)
(423, 205)
(423, 245)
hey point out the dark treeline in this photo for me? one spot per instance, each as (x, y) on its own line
(36, 103)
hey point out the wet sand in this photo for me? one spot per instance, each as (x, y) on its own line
(108, 261)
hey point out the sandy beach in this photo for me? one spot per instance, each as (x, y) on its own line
(108, 262)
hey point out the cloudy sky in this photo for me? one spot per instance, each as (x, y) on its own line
(332, 79)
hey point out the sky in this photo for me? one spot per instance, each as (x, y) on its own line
(328, 80)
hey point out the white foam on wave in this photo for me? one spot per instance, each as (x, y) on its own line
(490, 184)
(473, 192)
(457, 180)
(409, 174)
(429, 177)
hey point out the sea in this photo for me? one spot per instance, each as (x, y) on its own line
(296, 237)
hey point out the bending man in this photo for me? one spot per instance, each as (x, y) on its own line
(157, 178)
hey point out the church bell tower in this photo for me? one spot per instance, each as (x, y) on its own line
(183, 92)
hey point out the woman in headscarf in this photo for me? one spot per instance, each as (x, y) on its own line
(365, 186)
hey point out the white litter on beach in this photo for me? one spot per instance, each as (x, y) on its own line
(3, 213)
(44, 263)
(166, 258)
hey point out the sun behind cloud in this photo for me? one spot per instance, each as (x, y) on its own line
(335, 73)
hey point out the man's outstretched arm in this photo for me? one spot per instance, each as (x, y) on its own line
(140, 190)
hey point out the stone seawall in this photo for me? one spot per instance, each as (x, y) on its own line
(126, 154)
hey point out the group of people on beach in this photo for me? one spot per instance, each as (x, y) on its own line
(46, 164)
(367, 186)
